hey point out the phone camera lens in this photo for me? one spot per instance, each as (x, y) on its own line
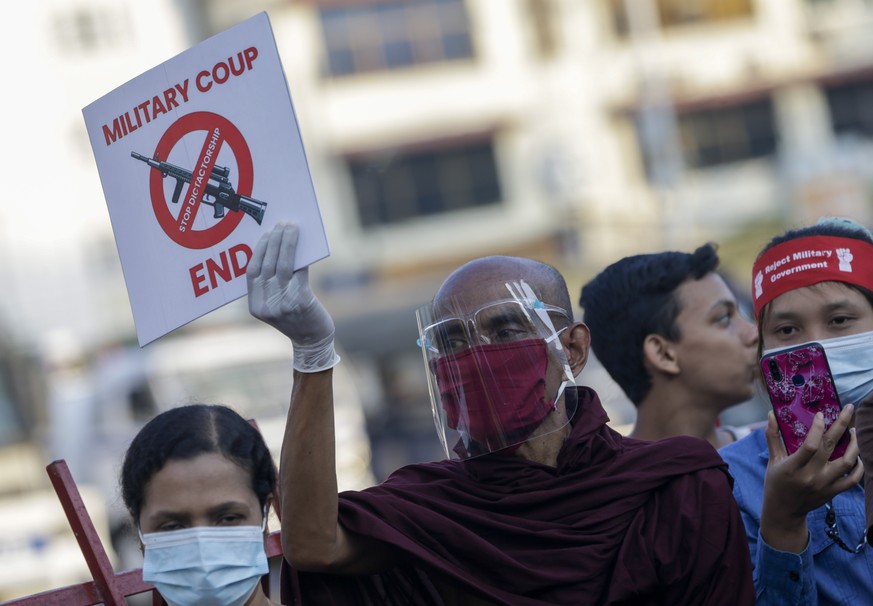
(774, 370)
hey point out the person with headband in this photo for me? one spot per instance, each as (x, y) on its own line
(198, 482)
(804, 513)
(537, 502)
(668, 330)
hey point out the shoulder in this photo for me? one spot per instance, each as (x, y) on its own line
(420, 477)
(710, 489)
(747, 464)
(686, 452)
(702, 500)
(748, 449)
(677, 463)
(416, 485)
(739, 432)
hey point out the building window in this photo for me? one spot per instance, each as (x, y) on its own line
(394, 35)
(721, 135)
(851, 107)
(12, 428)
(86, 29)
(672, 13)
(543, 21)
(392, 187)
(717, 135)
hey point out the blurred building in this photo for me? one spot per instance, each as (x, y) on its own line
(574, 131)
(441, 130)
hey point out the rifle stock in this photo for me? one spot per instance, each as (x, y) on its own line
(253, 208)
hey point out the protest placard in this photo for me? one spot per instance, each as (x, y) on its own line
(198, 157)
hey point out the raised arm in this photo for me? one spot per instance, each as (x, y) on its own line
(312, 537)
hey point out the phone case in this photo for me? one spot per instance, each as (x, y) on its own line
(800, 384)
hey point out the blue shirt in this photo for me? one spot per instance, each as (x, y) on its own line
(823, 573)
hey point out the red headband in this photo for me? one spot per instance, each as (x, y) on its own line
(807, 261)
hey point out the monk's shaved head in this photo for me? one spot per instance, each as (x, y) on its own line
(483, 280)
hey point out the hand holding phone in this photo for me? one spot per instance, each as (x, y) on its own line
(800, 384)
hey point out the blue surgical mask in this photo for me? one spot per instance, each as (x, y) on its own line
(850, 359)
(205, 565)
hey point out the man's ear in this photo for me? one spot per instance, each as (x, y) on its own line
(660, 355)
(577, 343)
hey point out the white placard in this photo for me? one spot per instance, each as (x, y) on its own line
(198, 157)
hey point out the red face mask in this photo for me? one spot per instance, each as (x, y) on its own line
(495, 392)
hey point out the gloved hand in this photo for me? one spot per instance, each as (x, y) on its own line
(281, 297)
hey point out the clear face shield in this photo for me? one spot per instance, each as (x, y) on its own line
(496, 374)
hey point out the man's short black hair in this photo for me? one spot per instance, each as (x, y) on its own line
(633, 298)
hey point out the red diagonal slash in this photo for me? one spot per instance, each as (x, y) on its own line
(200, 178)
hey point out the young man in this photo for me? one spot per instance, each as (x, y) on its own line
(667, 329)
(541, 503)
(804, 513)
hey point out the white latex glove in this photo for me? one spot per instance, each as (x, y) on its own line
(281, 297)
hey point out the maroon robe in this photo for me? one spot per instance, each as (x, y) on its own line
(619, 521)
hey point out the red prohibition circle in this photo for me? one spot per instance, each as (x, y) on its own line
(200, 121)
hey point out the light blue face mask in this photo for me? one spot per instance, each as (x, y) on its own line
(851, 362)
(205, 565)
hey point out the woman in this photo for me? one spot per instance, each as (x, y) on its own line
(804, 513)
(198, 481)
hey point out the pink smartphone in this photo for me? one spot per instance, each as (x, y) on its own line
(800, 384)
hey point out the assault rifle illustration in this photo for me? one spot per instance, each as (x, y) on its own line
(218, 192)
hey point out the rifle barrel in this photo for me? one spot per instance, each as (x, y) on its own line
(150, 161)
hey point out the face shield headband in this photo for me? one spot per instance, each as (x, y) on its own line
(495, 373)
(807, 261)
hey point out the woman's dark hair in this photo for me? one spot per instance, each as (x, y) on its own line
(838, 227)
(187, 432)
